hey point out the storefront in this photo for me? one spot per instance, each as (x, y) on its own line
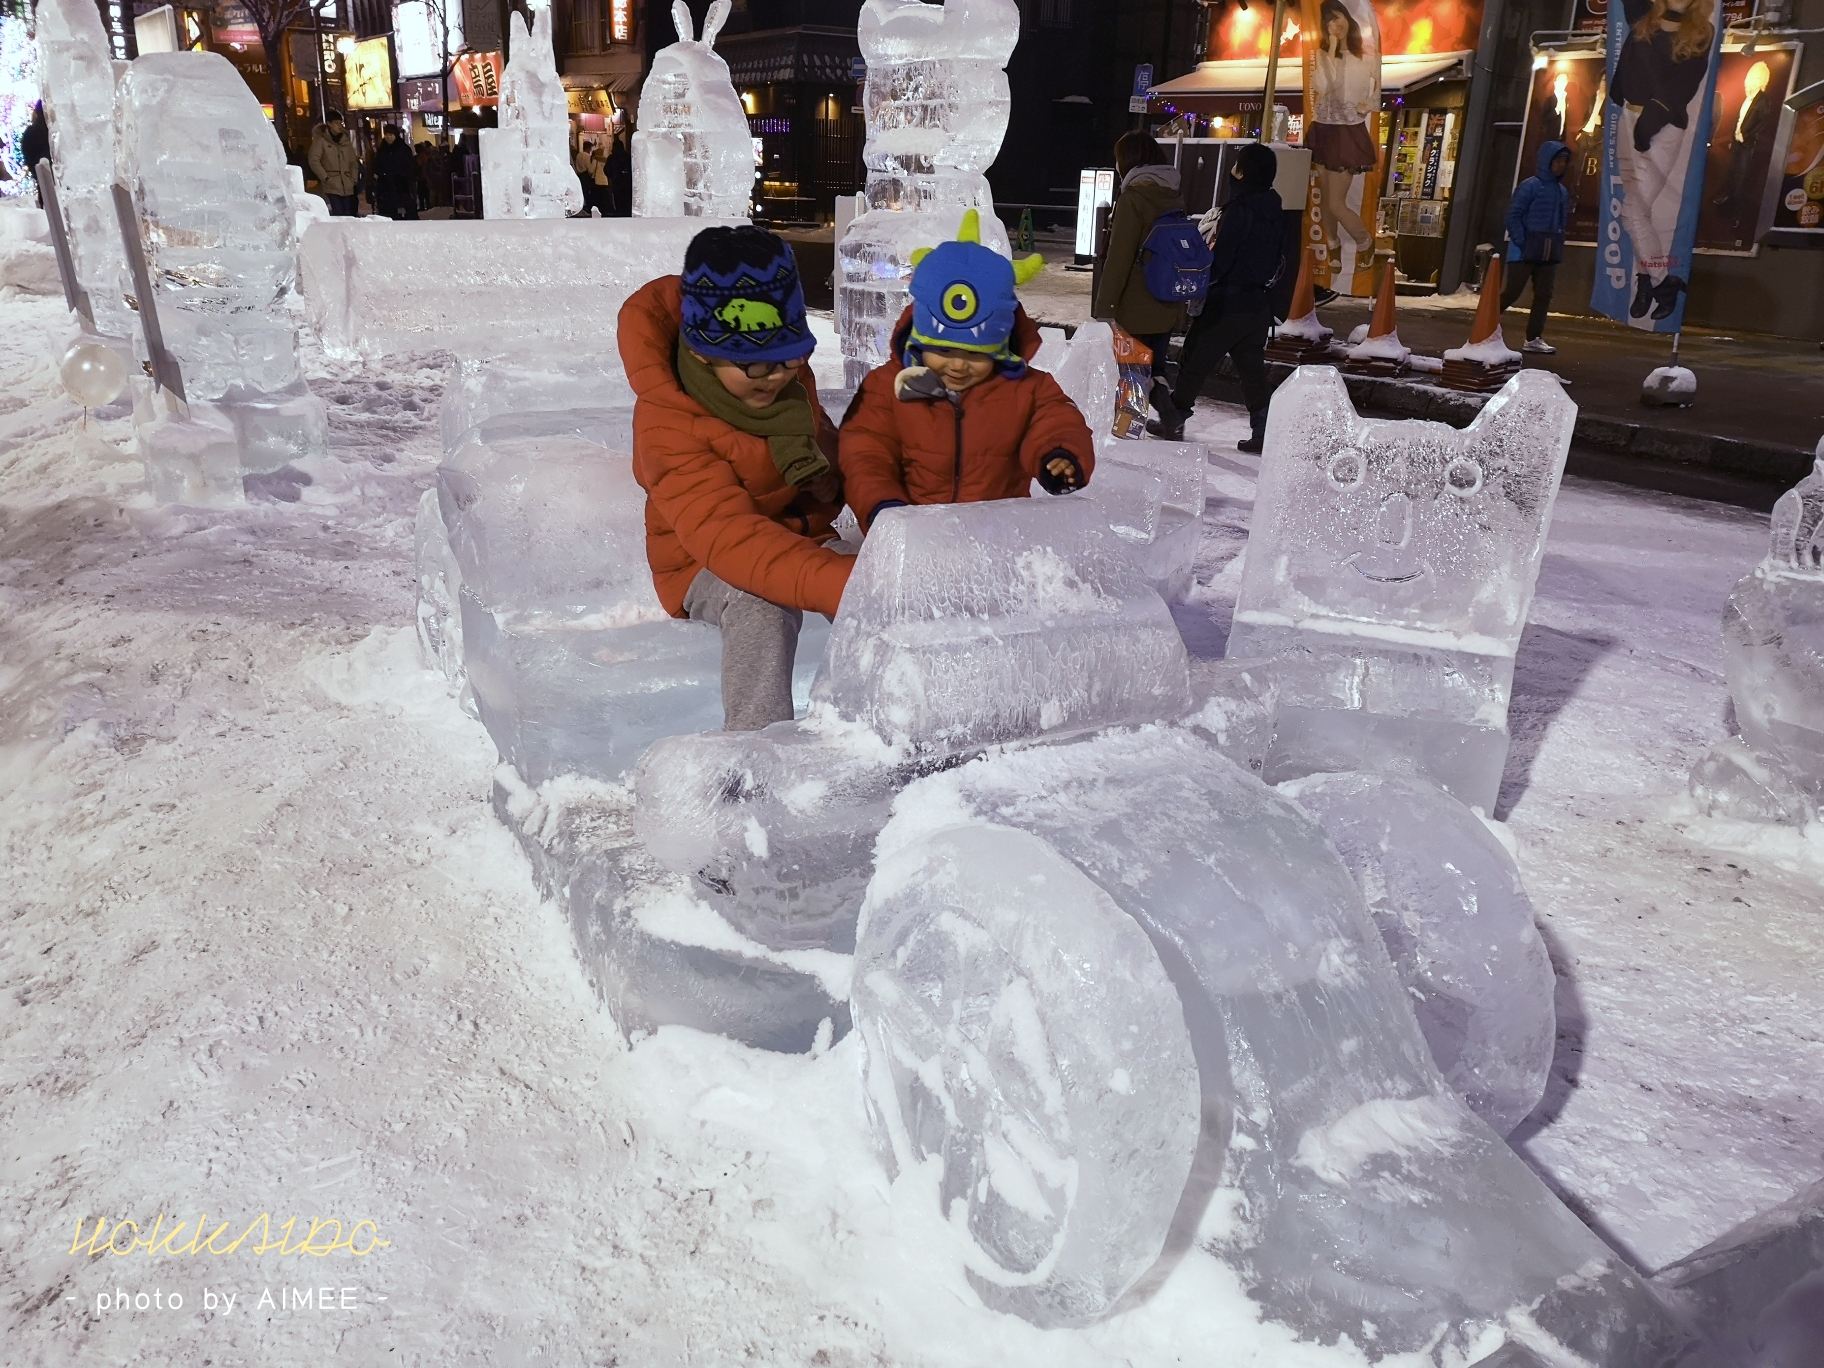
(801, 90)
(1422, 50)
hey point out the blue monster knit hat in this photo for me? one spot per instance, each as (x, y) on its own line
(742, 299)
(963, 298)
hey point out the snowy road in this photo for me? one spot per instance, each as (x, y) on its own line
(265, 951)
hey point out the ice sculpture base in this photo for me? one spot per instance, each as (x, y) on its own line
(620, 907)
(1366, 703)
(1735, 780)
(194, 460)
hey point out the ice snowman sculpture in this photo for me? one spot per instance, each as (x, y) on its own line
(694, 153)
(525, 162)
(1388, 576)
(1773, 658)
(936, 103)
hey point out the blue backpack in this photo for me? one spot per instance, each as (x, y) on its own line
(1175, 260)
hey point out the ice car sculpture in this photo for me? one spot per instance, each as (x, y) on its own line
(1773, 658)
(936, 104)
(525, 161)
(694, 151)
(207, 178)
(1368, 1200)
(1389, 570)
(79, 76)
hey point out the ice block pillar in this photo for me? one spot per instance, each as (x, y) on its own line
(79, 77)
(693, 154)
(525, 162)
(936, 104)
(207, 179)
(1389, 572)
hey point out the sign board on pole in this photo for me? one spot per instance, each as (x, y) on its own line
(1143, 82)
(858, 69)
(1095, 188)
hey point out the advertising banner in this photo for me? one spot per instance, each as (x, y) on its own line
(476, 76)
(1800, 206)
(1656, 135)
(369, 74)
(1343, 130)
(233, 24)
(1569, 93)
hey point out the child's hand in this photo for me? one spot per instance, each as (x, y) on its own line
(1058, 475)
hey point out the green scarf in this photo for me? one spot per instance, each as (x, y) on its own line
(789, 426)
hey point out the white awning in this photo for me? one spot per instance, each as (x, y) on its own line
(1249, 76)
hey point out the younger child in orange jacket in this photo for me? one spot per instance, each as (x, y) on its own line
(957, 416)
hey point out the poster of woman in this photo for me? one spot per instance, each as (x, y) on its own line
(1342, 129)
(1566, 106)
(1663, 59)
(1750, 87)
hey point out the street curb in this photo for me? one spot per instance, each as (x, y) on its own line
(1762, 463)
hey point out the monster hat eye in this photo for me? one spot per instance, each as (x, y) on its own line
(959, 301)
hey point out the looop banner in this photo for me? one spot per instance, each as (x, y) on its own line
(1656, 135)
(1343, 131)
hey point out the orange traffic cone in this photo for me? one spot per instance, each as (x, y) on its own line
(1382, 323)
(1488, 307)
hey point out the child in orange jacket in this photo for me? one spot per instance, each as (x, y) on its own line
(957, 416)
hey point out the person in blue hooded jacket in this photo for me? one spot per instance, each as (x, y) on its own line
(1536, 217)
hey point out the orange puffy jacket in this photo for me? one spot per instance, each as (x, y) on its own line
(713, 495)
(989, 445)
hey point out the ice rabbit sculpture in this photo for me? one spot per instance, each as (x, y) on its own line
(1388, 575)
(694, 152)
(936, 103)
(1773, 658)
(525, 161)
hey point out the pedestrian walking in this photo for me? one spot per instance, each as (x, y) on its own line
(1536, 218)
(1247, 253)
(395, 169)
(336, 164)
(35, 143)
(1148, 187)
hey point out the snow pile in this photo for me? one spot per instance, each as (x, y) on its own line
(1389, 570)
(525, 161)
(1490, 351)
(694, 151)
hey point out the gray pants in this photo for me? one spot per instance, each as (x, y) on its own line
(759, 646)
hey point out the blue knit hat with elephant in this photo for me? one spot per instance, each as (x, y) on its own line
(963, 297)
(742, 298)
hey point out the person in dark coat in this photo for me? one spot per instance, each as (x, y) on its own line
(395, 172)
(1754, 123)
(619, 169)
(35, 142)
(1246, 255)
(1536, 219)
(1146, 187)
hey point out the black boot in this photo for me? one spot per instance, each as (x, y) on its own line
(1255, 440)
(1643, 295)
(1171, 420)
(1665, 298)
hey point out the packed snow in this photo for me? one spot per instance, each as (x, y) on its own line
(271, 952)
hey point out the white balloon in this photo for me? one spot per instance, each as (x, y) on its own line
(92, 373)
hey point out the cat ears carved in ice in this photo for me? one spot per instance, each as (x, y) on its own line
(712, 22)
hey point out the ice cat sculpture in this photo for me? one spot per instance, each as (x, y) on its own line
(936, 104)
(1773, 658)
(693, 153)
(1389, 570)
(525, 162)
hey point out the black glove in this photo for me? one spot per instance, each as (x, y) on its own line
(1060, 484)
(883, 506)
(1653, 117)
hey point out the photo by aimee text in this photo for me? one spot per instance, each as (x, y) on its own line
(325, 1237)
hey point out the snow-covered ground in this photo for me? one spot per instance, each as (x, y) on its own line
(266, 951)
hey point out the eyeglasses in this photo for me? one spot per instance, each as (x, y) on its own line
(765, 370)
